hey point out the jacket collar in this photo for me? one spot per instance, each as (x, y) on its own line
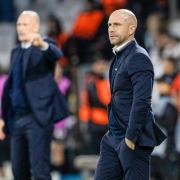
(117, 49)
(123, 53)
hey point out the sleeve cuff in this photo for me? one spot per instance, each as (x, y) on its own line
(131, 135)
(45, 47)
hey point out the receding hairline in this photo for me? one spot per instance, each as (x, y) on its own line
(128, 15)
(33, 14)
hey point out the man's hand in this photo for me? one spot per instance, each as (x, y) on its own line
(2, 135)
(130, 144)
(38, 41)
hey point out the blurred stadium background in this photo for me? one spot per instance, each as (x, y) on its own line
(80, 28)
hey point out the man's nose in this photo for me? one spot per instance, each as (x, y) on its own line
(111, 29)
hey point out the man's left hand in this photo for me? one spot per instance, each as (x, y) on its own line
(2, 135)
(38, 41)
(130, 144)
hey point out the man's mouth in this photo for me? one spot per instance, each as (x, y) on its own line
(112, 36)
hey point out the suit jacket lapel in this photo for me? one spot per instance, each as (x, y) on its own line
(14, 56)
(26, 56)
(120, 60)
(110, 69)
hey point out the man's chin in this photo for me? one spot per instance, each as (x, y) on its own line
(113, 43)
(23, 40)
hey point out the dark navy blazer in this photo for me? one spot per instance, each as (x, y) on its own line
(46, 102)
(131, 82)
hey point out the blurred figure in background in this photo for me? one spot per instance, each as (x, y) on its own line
(88, 38)
(63, 82)
(4, 145)
(175, 90)
(60, 132)
(166, 42)
(166, 114)
(154, 22)
(110, 5)
(166, 45)
(94, 98)
(169, 72)
(170, 69)
(152, 25)
(31, 100)
(55, 30)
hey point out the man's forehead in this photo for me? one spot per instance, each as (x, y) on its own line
(29, 15)
(118, 18)
(24, 16)
(28, 18)
(123, 16)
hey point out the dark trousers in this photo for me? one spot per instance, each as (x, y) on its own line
(30, 149)
(96, 133)
(117, 161)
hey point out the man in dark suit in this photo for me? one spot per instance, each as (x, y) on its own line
(31, 101)
(127, 146)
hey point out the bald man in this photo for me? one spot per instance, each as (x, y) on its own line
(31, 101)
(126, 148)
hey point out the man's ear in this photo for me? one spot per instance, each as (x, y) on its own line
(36, 28)
(131, 30)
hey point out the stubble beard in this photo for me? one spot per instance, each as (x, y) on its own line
(118, 41)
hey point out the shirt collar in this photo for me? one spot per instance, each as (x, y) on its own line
(26, 45)
(116, 49)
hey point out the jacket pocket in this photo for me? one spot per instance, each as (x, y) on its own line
(47, 93)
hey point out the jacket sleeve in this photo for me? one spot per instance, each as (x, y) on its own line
(140, 71)
(53, 53)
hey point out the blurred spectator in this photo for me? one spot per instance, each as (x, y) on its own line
(155, 22)
(142, 9)
(169, 72)
(4, 145)
(55, 31)
(166, 68)
(175, 90)
(94, 98)
(166, 115)
(110, 5)
(167, 44)
(60, 133)
(91, 13)
(64, 85)
(88, 34)
(58, 156)
(62, 81)
(163, 6)
(169, 65)
(152, 25)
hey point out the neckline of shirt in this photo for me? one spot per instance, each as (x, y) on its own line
(116, 49)
(26, 45)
